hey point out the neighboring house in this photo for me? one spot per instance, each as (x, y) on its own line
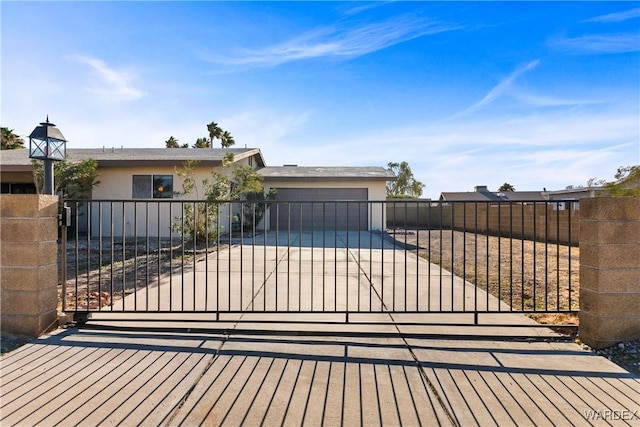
(149, 174)
(573, 193)
(564, 197)
(571, 197)
(482, 194)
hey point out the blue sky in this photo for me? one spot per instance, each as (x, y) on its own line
(540, 94)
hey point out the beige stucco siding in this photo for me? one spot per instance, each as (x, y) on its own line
(141, 217)
(22, 177)
(117, 182)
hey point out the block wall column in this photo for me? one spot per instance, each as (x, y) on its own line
(609, 270)
(29, 267)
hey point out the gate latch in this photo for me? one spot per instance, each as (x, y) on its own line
(64, 217)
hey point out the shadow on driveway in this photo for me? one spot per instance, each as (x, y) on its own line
(265, 376)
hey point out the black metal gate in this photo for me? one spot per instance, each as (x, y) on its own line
(221, 260)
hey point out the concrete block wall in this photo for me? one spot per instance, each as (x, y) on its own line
(28, 267)
(609, 270)
(415, 214)
(542, 222)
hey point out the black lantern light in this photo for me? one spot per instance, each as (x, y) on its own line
(47, 143)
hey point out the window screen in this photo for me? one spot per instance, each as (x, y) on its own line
(141, 186)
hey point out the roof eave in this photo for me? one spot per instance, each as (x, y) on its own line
(325, 178)
(251, 152)
(16, 168)
(146, 162)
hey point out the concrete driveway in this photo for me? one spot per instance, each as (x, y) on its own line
(147, 370)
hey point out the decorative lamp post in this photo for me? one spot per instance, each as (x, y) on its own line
(47, 143)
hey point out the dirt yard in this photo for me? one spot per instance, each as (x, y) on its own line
(99, 274)
(527, 275)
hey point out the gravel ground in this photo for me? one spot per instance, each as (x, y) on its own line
(625, 354)
(11, 343)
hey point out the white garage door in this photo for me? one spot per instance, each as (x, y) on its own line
(320, 209)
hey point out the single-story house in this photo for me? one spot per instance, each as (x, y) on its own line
(573, 193)
(482, 194)
(571, 197)
(149, 174)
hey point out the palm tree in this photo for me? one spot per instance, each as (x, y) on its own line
(10, 141)
(506, 187)
(202, 143)
(171, 143)
(215, 131)
(226, 139)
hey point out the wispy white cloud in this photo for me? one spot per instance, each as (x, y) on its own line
(363, 7)
(599, 44)
(111, 84)
(498, 90)
(345, 42)
(549, 129)
(265, 128)
(616, 17)
(567, 154)
(553, 101)
(552, 148)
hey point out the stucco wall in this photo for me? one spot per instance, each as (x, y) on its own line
(116, 182)
(146, 217)
(25, 177)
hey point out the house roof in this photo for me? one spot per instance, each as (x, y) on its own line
(19, 159)
(326, 173)
(484, 196)
(573, 192)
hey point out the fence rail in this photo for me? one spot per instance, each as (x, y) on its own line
(324, 257)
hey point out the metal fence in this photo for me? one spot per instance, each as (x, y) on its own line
(410, 258)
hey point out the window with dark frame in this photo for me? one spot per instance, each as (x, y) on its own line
(152, 187)
(18, 188)
(162, 186)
